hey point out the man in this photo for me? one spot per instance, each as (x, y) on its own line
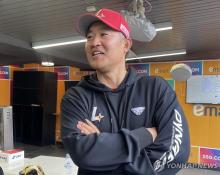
(115, 121)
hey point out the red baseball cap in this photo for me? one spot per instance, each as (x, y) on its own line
(111, 18)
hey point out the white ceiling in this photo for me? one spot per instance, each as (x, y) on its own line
(196, 27)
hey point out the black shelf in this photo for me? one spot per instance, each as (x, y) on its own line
(34, 102)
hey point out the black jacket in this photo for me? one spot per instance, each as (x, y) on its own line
(122, 116)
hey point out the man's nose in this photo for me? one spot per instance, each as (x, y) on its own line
(96, 41)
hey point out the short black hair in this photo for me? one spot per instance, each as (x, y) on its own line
(87, 30)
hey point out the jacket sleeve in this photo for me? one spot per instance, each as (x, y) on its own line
(106, 151)
(170, 149)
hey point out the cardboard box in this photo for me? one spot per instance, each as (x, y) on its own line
(11, 156)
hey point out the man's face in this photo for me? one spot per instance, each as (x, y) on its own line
(105, 48)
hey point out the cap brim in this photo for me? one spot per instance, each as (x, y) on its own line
(84, 22)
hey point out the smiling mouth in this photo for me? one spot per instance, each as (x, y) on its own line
(97, 53)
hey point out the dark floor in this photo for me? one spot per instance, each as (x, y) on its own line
(34, 151)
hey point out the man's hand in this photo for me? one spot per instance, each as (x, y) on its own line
(153, 132)
(87, 128)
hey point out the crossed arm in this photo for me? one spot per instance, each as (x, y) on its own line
(90, 128)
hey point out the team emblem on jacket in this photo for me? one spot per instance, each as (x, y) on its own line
(138, 110)
(96, 117)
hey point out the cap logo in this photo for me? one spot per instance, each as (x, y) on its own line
(124, 30)
(100, 14)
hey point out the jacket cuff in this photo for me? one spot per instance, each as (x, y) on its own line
(143, 136)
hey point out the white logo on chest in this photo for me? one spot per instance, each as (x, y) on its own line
(96, 117)
(138, 110)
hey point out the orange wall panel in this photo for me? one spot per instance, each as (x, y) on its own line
(161, 69)
(180, 89)
(60, 93)
(194, 155)
(30, 66)
(213, 128)
(198, 125)
(75, 74)
(46, 69)
(5, 94)
(211, 67)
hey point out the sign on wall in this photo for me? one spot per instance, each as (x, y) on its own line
(63, 72)
(210, 156)
(4, 72)
(196, 67)
(161, 69)
(211, 67)
(141, 68)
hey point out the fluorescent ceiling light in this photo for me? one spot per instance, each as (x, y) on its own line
(163, 26)
(58, 42)
(159, 54)
(47, 63)
(79, 39)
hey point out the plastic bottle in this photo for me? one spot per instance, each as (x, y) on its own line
(68, 165)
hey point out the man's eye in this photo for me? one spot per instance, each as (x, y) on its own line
(89, 36)
(104, 34)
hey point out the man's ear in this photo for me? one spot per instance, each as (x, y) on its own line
(128, 44)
